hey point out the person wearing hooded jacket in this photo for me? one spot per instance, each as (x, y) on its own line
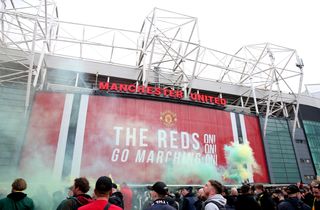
(215, 201)
(17, 200)
(293, 201)
(79, 197)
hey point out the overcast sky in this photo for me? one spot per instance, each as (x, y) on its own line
(224, 25)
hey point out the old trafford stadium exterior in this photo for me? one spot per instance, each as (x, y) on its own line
(141, 106)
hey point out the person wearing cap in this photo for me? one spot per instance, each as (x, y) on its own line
(158, 193)
(213, 190)
(79, 197)
(102, 192)
(316, 194)
(293, 201)
(189, 198)
(17, 200)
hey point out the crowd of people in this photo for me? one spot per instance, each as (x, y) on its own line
(212, 196)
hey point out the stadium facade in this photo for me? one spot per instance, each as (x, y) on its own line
(152, 104)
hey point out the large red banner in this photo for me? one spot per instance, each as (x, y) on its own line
(141, 141)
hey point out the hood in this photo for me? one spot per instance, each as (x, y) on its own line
(17, 196)
(218, 198)
(84, 199)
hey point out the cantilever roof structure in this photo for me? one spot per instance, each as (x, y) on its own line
(262, 78)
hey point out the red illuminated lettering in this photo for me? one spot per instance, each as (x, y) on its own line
(141, 89)
(123, 87)
(157, 91)
(193, 96)
(103, 85)
(150, 90)
(201, 98)
(132, 88)
(223, 101)
(172, 93)
(179, 94)
(216, 100)
(114, 87)
(166, 92)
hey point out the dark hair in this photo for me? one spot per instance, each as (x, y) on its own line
(245, 189)
(82, 183)
(19, 184)
(217, 186)
(103, 185)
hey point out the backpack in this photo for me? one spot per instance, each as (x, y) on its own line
(220, 206)
(116, 199)
(75, 202)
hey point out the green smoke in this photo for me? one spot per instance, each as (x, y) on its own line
(239, 159)
(192, 170)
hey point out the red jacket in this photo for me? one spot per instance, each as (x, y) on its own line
(98, 205)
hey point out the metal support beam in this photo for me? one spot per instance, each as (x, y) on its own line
(300, 65)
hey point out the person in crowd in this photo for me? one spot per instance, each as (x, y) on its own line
(246, 200)
(102, 191)
(231, 198)
(277, 197)
(116, 197)
(214, 201)
(263, 198)
(17, 200)
(158, 193)
(188, 199)
(79, 197)
(293, 201)
(307, 196)
(201, 198)
(171, 198)
(316, 194)
(177, 198)
(147, 201)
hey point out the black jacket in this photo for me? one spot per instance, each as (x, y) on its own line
(74, 202)
(198, 204)
(265, 201)
(160, 204)
(316, 205)
(246, 202)
(188, 202)
(117, 199)
(293, 204)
